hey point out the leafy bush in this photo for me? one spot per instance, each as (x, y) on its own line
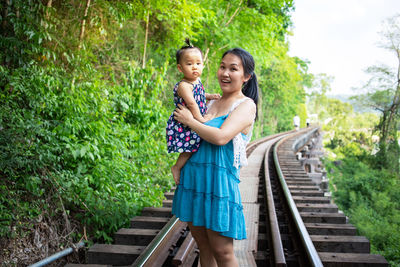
(370, 197)
(100, 147)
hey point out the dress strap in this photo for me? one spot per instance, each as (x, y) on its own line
(237, 103)
(186, 82)
(209, 103)
(196, 82)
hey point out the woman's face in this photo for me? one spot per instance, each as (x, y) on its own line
(231, 73)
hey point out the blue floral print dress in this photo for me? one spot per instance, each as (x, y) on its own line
(179, 137)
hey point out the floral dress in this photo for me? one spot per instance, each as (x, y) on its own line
(179, 137)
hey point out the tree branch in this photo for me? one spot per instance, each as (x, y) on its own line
(82, 33)
(234, 13)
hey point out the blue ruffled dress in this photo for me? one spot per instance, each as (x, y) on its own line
(208, 193)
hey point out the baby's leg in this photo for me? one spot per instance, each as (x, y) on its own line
(180, 162)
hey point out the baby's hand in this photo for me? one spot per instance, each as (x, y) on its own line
(207, 117)
(213, 96)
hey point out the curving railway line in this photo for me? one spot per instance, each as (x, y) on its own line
(290, 220)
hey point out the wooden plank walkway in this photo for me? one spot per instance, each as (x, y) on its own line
(245, 249)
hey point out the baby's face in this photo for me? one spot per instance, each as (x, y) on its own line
(191, 64)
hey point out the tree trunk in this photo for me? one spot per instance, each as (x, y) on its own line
(49, 3)
(389, 146)
(4, 14)
(145, 39)
(83, 23)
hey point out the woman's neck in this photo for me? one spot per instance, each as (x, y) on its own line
(232, 96)
(224, 104)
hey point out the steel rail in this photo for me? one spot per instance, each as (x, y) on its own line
(305, 237)
(272, 221)
(156, 243)
(185, 251)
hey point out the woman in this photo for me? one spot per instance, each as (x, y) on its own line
(207, 196)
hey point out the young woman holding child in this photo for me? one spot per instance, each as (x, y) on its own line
(207, 195)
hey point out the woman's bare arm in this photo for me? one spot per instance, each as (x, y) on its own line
(238, 120)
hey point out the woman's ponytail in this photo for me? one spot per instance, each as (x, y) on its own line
(250, 88)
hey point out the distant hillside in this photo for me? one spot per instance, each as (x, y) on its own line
(346, 99)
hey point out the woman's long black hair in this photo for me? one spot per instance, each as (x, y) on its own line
(250, 88)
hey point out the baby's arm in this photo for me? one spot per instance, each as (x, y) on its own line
(212, 96)
(185, 90)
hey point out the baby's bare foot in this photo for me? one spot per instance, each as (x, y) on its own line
(176, 173)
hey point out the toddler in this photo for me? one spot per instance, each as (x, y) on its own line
(188, 92)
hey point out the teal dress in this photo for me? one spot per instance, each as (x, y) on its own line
(208, 193)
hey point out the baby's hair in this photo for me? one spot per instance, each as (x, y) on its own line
(184, 48)
(250, 88)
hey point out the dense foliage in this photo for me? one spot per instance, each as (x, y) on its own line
(85, 92)
(369, 195)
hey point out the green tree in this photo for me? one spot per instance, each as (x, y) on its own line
(320, 85)
(383, 94)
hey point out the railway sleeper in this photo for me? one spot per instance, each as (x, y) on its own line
(314, 207)
(295, 174)
(263, 257)
(318, 217)
(169, 195)
(304, 187)
(307, 199)
(301, 182)
(309, 193)
(346, 244)
(330, 229)
(167, 203)
(300, 177)
(352, 260)
(147, 222)
(138, 237)
(113, 254)
(296, 179)
(157, 212)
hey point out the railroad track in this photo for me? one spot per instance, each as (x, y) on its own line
(297, 224)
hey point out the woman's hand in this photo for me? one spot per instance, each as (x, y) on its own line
(183, 115)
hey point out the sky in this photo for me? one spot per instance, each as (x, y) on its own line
(340, 38)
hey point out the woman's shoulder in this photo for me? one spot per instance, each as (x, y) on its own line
(244, 103)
